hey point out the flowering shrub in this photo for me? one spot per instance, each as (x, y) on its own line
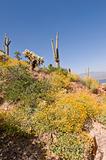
(61, 79)
(10, 62)
(68, 114)
(91, 83)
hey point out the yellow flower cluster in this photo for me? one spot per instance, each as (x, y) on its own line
(62, 80)
(67, 114)
(10, 62)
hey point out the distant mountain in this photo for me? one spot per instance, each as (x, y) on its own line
(100, 76)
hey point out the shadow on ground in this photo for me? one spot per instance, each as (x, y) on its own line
(18, 147)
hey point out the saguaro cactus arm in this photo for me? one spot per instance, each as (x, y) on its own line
(57, 40)
(55, 51)
(7, 41)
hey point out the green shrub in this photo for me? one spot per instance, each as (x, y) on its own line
(102, 115)
(68, 147)
(90, 83)
(72, 146)
(20, 85)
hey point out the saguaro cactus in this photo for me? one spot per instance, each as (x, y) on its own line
(7, 42)
(56, 51)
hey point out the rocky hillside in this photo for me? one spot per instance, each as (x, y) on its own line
(48, 113)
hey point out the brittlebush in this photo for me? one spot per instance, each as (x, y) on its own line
(62, 80)
(10, 62)
(67, 114)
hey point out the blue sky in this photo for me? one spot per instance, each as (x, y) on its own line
(81, 25)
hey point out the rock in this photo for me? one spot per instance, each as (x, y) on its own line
(99, 133)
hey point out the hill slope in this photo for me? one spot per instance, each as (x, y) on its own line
(50, 111)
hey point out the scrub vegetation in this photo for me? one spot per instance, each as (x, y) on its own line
(55, 107)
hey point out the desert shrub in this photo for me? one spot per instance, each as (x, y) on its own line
(73, 77)
(7, 125)
(82, 99)
(62, 79)
(20, 85)
(68, 114)
(91, 83)
(10, 62)
(17, 80)
(68, 147)
(51, 68)
(61, 71)
(72, 146)
(58, 80)
(102, 115)
(77, 108)
(28, 94)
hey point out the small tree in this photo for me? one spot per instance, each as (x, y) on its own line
(17, 55)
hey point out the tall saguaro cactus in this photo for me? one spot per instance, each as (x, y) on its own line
(56, 51)
(7, 42)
